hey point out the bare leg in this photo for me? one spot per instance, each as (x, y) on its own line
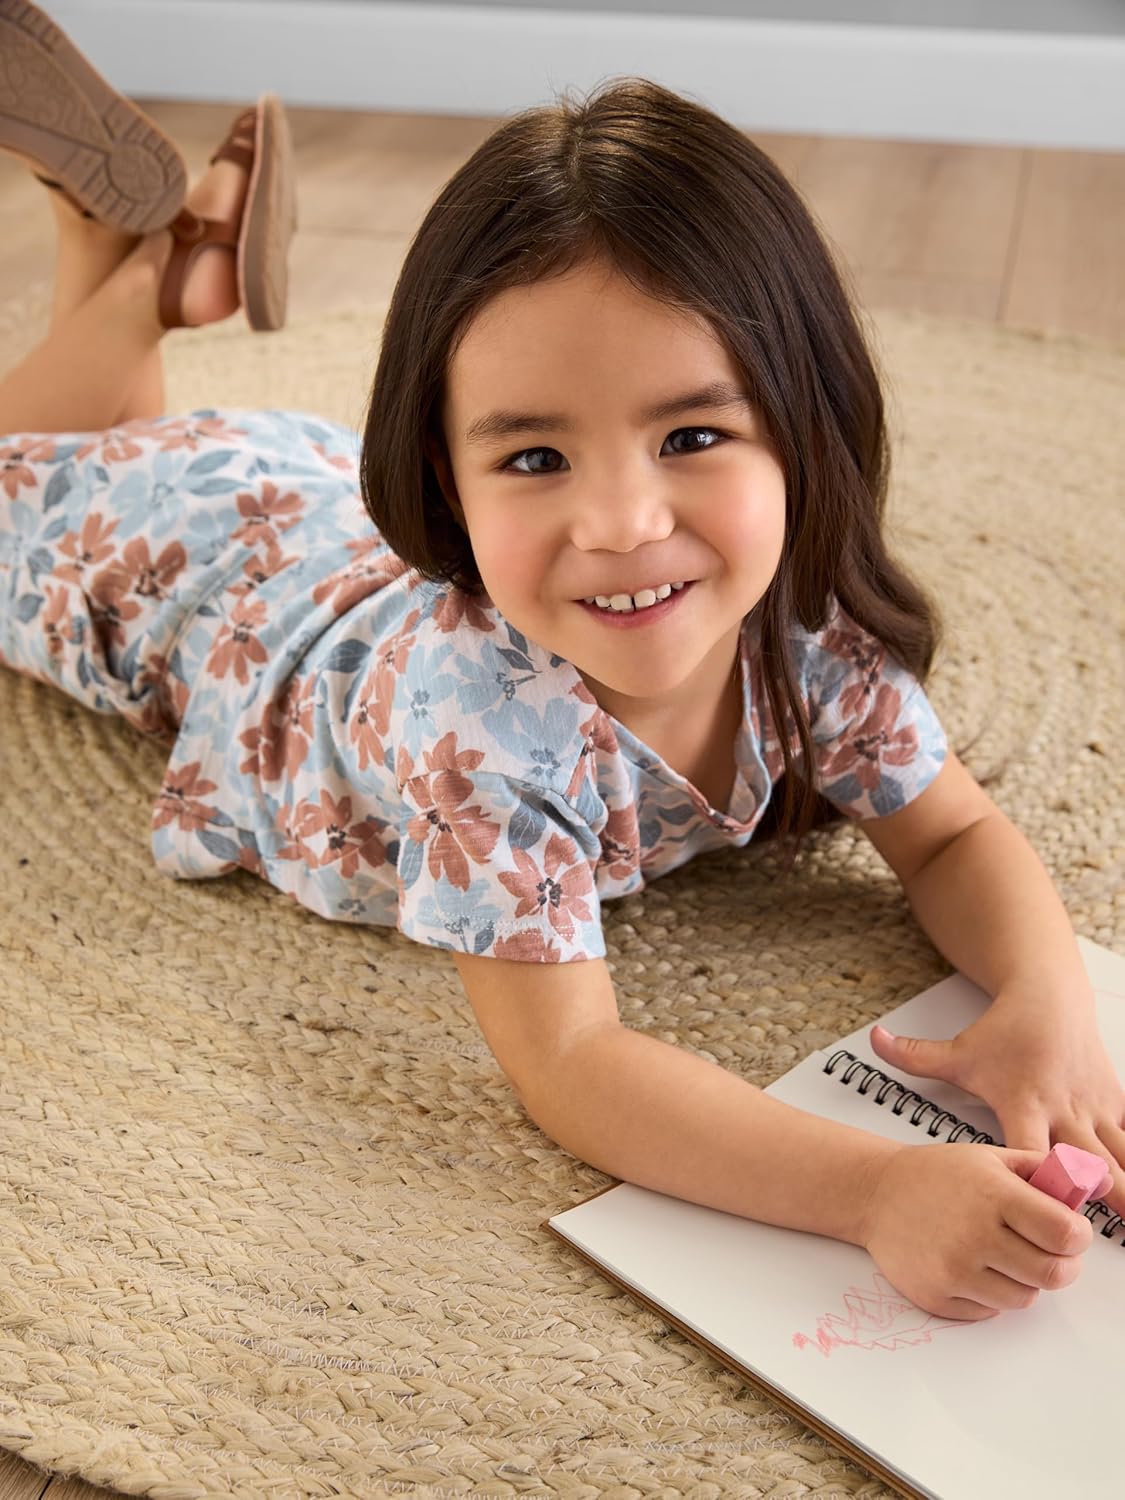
(100, 362)
(87, 252)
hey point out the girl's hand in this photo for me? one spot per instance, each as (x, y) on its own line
(956, 1229)
(1038, 1062)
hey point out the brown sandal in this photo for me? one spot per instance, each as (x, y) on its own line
(258, 141)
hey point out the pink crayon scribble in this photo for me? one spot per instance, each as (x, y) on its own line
(882, 1319)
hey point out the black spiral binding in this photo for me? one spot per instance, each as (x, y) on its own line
(960, 1128)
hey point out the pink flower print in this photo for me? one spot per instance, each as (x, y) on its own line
(866, 655)
(285, 732)
(453, 607)
(290, 823)
(90, 545)
(598, 734)
(621, 842)
(177, 801)
(368, 723)
(250, 738)
(371, 711)
(874, 743)
(109, 611)
(115, 446)
(187, 433)
(458, 830)
(346, 842)
(529, 946)
(538, 888)
(264, 564)
(134, 572)
(14, 460)
(364, 575)
(236, 643)
(343, 461)
(58, 623)
(266, 511)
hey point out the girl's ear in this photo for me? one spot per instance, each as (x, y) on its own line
(437, 456)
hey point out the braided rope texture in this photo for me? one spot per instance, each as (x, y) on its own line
(269, 1210)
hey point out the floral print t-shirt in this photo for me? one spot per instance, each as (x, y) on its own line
(382, 748)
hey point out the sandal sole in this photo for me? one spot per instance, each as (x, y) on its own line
(59, 113)
(269, 221)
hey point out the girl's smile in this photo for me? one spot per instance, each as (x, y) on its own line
(633, 618)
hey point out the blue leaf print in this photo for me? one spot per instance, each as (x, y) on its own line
(215, 486)
(56, 529)
(526, 825)
(221, 848)
(518, 639)
(347, 656)
(410, 860)
(207, 463)
(102, 474)
(39, 561)
(887, 797)
(483, 939)
(846, 791)
(649, 831)
(27, 607)
(518, 659)
(59, 486)
(684, 813)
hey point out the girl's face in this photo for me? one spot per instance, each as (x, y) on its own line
(579, 490)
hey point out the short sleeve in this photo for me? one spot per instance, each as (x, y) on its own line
(491, 865)
(877, 741)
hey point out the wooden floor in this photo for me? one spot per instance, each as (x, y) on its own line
(1024, 238)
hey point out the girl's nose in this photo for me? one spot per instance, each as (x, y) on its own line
(621, 519)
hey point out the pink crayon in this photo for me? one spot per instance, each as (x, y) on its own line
(1069, 1174)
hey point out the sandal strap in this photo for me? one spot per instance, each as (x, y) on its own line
(191, 233)
(239, 143)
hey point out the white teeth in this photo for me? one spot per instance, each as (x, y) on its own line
(627, 603)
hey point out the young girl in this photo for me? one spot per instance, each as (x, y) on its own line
(603, 587)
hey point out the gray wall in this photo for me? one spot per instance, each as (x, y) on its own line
(1065, 17)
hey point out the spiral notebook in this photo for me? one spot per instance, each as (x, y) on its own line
(1025, 1403)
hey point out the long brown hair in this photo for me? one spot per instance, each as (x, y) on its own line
(693, 213)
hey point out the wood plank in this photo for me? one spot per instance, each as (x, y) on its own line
(1068, 271)
(917, 224)
(20, 1480)
(1028, 239)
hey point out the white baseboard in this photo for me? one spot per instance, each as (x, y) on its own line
(900, 82)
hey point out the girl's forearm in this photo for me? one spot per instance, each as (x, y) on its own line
(987, 903)
(650, 1113)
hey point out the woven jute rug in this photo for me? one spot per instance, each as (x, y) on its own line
(270, 1214)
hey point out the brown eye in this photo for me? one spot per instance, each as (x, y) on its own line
(511, 465)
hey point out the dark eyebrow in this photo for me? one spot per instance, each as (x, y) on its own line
(719, 395)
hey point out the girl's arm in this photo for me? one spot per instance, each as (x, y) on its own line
(651, 1113)
(982, 894)
(952, 1226)
(978, 888)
